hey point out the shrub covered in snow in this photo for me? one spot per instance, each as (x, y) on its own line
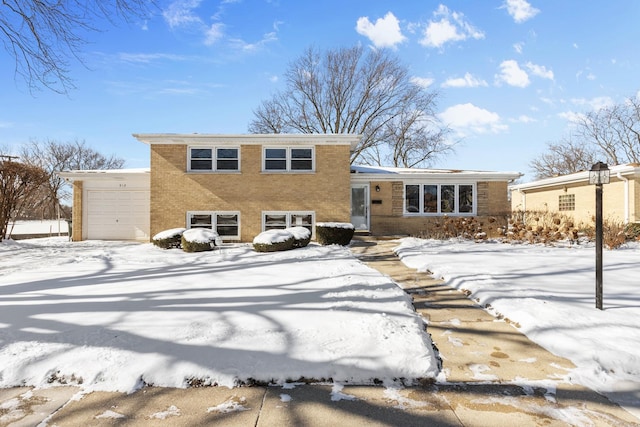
(200, 239)
(273, 240)
(168, 238)
(301, 235)
(334, 233)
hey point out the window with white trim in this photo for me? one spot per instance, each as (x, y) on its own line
(226, 224)
(283, 219)
(439, 199)
(208, 159)
(288, 159)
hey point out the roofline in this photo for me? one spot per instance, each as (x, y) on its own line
(249, 139)
(457, 176)
(73, 175)
(575, 178)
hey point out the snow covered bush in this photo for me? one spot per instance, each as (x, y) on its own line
(168, 239)
(273, 240)
(334, 233)
(301, 235)
(200, 239)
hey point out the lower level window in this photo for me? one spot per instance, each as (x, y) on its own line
(439, 199)
(226, 224)
(283, 219)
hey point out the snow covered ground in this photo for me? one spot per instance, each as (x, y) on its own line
(550, 293)
(114, 316)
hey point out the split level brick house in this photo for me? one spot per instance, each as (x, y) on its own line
(241, 185)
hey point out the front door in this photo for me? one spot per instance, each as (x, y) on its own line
(360, 206)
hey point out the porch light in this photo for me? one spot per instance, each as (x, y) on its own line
(599, 175)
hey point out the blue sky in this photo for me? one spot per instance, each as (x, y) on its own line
(511, 73)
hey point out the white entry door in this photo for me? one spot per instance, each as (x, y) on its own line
(360, 206)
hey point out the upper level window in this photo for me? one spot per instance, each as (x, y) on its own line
(439, 199)
(289, 159)
(214, 159)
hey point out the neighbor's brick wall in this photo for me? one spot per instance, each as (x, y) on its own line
(547, 200)
(388, 218)
(250, 191)
(76, 214)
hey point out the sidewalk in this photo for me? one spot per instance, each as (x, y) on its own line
(492, 375)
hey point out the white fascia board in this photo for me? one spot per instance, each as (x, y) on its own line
(462, 177)
(574, 178)
(116, 174)
(249, 139)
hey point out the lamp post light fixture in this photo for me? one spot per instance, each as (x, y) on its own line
(599, 175)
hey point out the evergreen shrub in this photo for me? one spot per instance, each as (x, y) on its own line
(168, 239)
(199, 240)
(334, 233)
(301, 235)
(273, 241)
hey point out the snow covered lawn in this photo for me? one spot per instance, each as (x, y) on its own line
(550, 293)
(114, 316)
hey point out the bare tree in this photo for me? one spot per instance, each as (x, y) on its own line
(54, 156)
(45, 36)
(351, 90)
(17, 182)
(614, 130)
(610, 134)
(564, 157)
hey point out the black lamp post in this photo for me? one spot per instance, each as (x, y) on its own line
(599, 175)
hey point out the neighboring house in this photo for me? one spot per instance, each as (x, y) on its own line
(241, 185)
(574, 196)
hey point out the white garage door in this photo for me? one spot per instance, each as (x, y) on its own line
(118, 215)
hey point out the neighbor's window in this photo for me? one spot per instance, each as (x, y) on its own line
(439, 199)
(226, 224)
(283, 219)
(214, 159)
(567, 202)
(289, 159)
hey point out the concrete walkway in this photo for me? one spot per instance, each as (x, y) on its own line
(491, 376)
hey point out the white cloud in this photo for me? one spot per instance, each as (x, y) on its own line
(252, 47)
(467, 81)
(512, 74)
(451, 27)
(273, 79)
(571, 116)
(594, 103)
(523, 119)
(424, 82)
(518, 47)
(146, 58)
(180, 13)
(539, 70)
(520, 10)
(468, 118)
(384, 33)
(4, 125)
(213, 34)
